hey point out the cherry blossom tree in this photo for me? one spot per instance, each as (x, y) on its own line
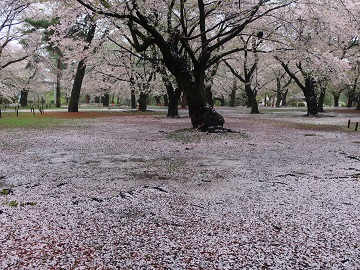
(309, 45)
(192, 36)
(16, 45)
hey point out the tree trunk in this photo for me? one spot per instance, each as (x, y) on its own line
(75, 92)
(143, 102)
(283, 98)
(58, 83)
(336, 99)
(174, 96)
(251, 99)
(233, 94)
(166, 100)
(106, 100)
(358, 103)
(321, 100)
(24, 98)
(79, 76)
(209, 95)
(310, 97)
(133, 99)
(232, 98)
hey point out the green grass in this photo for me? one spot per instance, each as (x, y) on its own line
(26, 120)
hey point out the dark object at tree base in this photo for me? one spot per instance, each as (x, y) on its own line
(212, 121)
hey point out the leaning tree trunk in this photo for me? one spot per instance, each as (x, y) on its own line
(24, 98)
(75, 92)
(80, 73)
(310, 97)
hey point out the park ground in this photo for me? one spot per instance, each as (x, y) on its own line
(126, 190)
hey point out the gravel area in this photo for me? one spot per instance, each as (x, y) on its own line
(148, 192)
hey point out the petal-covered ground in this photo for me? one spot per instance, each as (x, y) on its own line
(136, 191)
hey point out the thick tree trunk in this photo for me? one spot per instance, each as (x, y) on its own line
(106, 100)
(174, 96)
(310, 97)
(252, 99)
(79, 76)
(143, 102)
(75, 92)
(24, 98)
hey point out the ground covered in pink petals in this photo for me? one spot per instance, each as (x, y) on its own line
(148, 192)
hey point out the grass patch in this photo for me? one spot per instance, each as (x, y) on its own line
(26, 120)
(58, 118)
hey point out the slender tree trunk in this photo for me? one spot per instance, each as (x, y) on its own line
(336, 99)
(133, 99)
(233, 94)
(24, 98)
(321, 100)
(358, 103)
(58, 83)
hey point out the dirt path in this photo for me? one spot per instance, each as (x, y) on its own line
(146, 192)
